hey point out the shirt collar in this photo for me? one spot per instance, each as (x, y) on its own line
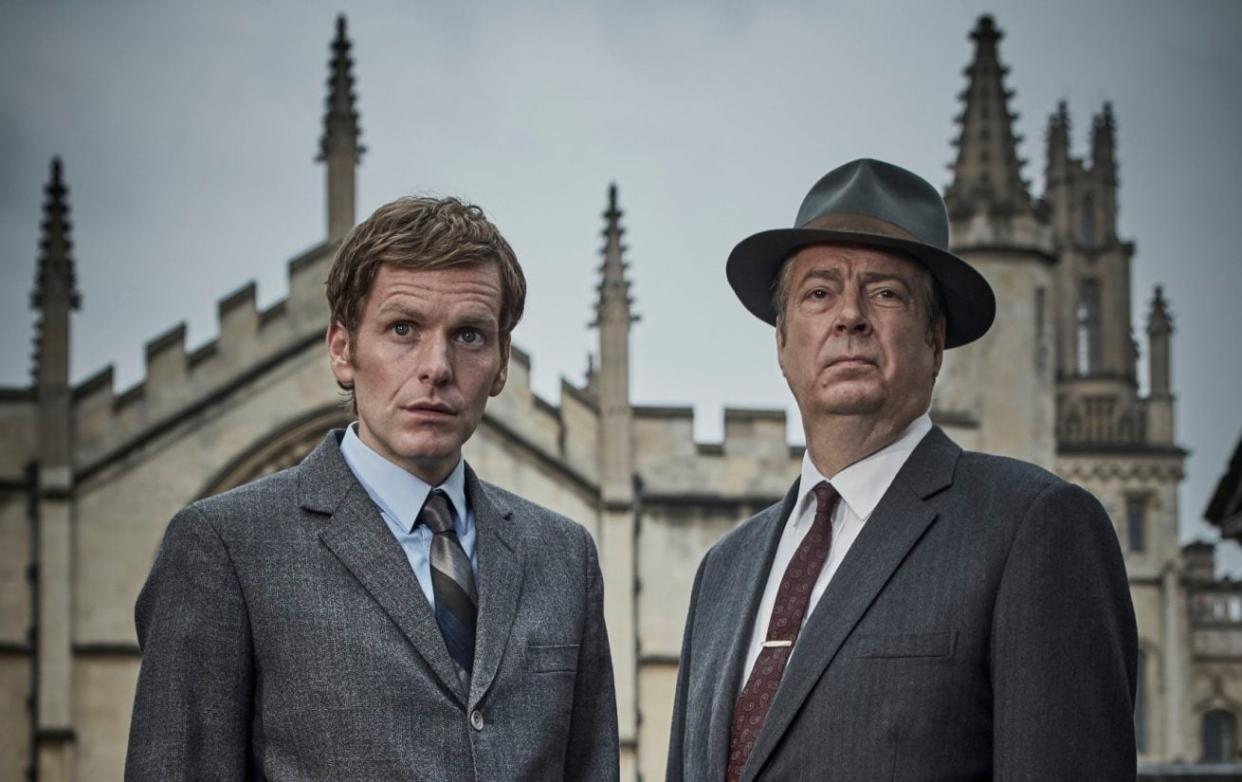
(399, 493)
(862, 484)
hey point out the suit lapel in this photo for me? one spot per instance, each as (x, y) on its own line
(360, 539)
(747, 578)
(500, 584)
(893, 529)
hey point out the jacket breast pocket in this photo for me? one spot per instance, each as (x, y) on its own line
(552, 658)
(901, 645)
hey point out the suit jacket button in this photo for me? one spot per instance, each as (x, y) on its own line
(476, 719)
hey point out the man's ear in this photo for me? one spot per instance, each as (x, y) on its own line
(938, 338)
(340, 355)
(498, 384)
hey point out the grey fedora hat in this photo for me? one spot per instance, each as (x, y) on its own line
(872, 203)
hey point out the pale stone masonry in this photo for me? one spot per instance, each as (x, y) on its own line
(89, 477)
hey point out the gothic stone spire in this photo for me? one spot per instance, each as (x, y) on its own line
(55, 282)
(1159, 321)
(613, 315)
(1160, 427)
(55, 292)
(987, 175)
(338, 146)
(615, 302)
(1058, 146)
(340, 121)
(1104, 146)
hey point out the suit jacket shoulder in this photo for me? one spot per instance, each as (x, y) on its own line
(998, 490)
(253, 502)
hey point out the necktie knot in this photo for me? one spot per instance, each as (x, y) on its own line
(437, 514)
(825, 498)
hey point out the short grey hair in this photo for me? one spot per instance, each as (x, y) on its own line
(933, 298)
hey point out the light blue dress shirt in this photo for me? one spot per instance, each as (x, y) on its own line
(400, 495)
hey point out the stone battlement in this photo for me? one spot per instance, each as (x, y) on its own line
(248, 343)
(754, 459)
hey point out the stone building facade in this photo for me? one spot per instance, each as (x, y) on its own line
(90, 476)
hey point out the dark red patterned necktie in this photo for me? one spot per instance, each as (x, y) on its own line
(783, 626)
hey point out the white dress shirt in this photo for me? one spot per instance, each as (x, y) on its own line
(861, 486)
(399, 496)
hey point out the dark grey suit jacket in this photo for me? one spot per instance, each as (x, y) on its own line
(285, 637)
(979, 628)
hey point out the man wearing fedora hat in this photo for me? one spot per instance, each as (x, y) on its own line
(909, 610)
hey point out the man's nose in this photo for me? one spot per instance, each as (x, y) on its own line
(852, 316)
(435, 360)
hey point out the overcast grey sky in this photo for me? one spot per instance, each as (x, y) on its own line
(188, 133)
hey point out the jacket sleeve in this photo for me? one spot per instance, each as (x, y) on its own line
(593, 747)
(1064, 647)
(192, 708)
(675, 771)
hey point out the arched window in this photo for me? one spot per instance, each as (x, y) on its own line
(286, 445)
(1089, 344)
(1220, 731)
(1140, 705)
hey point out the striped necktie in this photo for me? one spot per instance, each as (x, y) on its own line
(792, 598)
(452, 584)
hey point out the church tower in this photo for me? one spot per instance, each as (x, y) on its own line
(1096, 352)
(338, 146)
(618, 514)
(1120, 445)
(997, 227)
(55, 296)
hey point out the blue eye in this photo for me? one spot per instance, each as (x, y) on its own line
(402, 328)
(471, 336)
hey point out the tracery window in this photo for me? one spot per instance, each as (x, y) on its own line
(1089, 344)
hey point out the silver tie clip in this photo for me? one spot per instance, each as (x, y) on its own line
(776, 644)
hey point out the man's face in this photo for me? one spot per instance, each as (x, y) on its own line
(854, 340)
(426, 356)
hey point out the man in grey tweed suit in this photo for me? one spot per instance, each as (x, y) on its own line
(910, 611)
(378, 612)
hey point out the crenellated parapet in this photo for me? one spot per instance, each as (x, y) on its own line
(178, 381)
(563, 435)
(754, 461)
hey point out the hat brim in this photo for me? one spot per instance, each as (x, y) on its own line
(752, 268)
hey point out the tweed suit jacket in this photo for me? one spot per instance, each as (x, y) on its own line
(979, 628)
(285, 637)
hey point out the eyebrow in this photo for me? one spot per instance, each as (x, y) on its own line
(396, 307)
(833, 275)
(884, 277)
(399, 308)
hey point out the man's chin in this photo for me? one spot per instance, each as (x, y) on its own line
(851, 404)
